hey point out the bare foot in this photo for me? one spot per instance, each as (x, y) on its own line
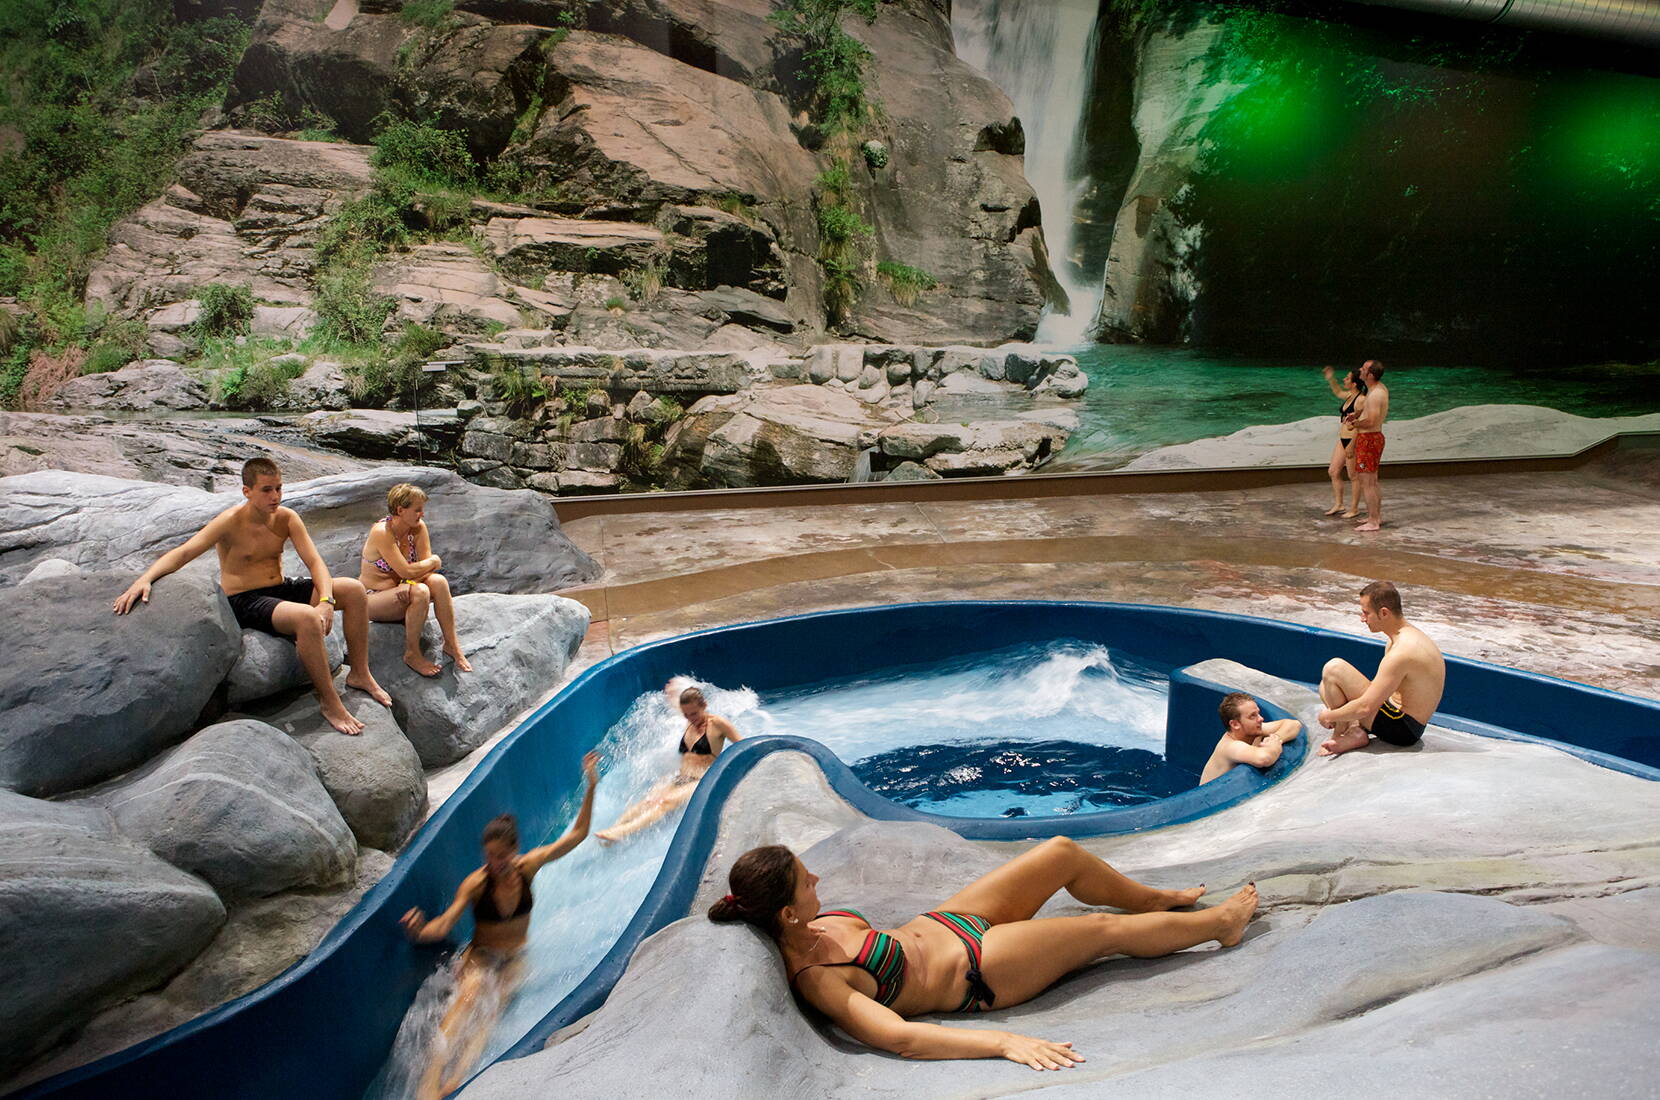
(365, 682)
(1333, 511)
(460, 661)
(342, 719)
(1350, 515)
(1369, 525)
(1235, 914)
(1350, 739)
(419, 663)
(1173, 899)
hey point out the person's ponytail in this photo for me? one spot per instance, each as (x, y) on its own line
(762, 883)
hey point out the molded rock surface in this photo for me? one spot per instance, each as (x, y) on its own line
(375, 778)
(269, 665)
(518, 647)
(141, 387)
(198, 454)
(1472, 431)
(86, 916)
(86, 694)
(775, 436)
(240, 805)
(489, 539)
(1374, 950)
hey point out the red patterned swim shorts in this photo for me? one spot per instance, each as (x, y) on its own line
(1368, 451)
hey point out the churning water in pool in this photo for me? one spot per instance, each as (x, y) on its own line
(1062, 728)
(1059, 728)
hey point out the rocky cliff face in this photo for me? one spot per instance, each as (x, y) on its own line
(654, 113)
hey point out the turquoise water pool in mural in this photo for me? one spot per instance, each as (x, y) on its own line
(1141, 398)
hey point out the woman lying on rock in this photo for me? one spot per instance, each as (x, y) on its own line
(400, 572)
(488, 969)
(700, 742)
(981, 949)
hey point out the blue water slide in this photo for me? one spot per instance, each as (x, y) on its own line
(323, 1028)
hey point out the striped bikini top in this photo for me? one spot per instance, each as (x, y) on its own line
(882, 957)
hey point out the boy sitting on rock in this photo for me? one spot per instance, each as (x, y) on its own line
(1248, 740)
(250, 537)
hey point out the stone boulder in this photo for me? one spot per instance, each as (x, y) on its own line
(779, 435)
(240, 805)
(87, 694)
(977, 447)
(518, 646)
(270, 665)
(447, 285)
(658, 372)
(52, 569)
(147, 386)
(375, 778)
(322, 386)
(383, 433)
(201, 454)
(86, 917)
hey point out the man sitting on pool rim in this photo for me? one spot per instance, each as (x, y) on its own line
(1400, 700)
(1248, 739)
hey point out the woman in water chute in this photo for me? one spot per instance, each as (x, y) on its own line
(981, 949)
(488, 969)
(700, 742)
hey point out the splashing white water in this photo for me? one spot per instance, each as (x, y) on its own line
(1042, 54)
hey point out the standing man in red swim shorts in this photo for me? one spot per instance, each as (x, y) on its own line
(1368, 423)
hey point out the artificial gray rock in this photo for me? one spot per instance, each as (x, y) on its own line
(147, 386)
(911, 471)
(489, 539)
(778, 435)
(518, 647)
(374, 778)
(51, 569)
(240, 805)
(86, 917)
(87, 694)
(270, 665)
(383, 433)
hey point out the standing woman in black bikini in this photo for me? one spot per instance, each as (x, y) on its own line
(488, 969)
(400, 572)
(1351, 394)
(981, 949)
(702, 740)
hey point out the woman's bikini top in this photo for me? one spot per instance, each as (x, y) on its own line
(484, 909)
(700, 747)
(882, 957)
(1348, 406)
(380, 563)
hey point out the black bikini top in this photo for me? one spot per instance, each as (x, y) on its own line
(1349, 405)
(484, 909)
(700, 747)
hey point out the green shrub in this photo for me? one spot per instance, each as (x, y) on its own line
(834, 61)
(875, 153)
(268, 114)
(348, 306)
(365, 226)
(431, 14)
(736, 205)
(521, 392)
(228, 384)
(903, 282)
(422, 153)
(616, 302)
(265, 385)
(225, 310)
(106, 357)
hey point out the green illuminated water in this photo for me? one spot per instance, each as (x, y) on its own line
(1141, 398)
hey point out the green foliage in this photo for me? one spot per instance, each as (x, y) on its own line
(106, 357)
(905, 283)
(646, 282)
(833, 61)
(875, 154)
(616, 302)
(366, 226)
(225, 310)
(423, 154)
(265, 385)
(348, 306)
(432, 14)
(843, 239)
(736, 205)
(521, 392)
(667, 410)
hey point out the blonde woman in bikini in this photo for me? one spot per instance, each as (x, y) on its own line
(701, 741)
(400, 572)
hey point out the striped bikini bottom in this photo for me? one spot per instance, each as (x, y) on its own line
(970, 930)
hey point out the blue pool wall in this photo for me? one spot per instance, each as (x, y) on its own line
(323, 1028)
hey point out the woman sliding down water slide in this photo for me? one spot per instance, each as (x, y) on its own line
(489, 968)
(981, 949)
(701, 741)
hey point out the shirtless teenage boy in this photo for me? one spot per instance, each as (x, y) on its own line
(1367, 421)
(1248, 740)
(250, 537)
(1398, 704)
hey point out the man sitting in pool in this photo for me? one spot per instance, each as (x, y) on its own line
(1397, 704)
(1248, 740)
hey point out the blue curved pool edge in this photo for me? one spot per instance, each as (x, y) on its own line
(324, 1026)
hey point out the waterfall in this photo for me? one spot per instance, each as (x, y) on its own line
(1042, 54)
